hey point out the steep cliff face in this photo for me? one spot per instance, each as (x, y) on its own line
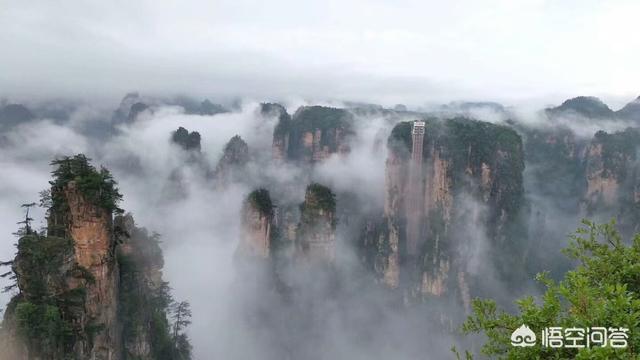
(280, 134)
(234, 158)
(317, 230)
(612, 176)
(312, 134)
(77, 292)
(257, 222)
(90, 227)
(555, 168)
(280, 233)
(75, 283)
(143, 295)
(464, 176)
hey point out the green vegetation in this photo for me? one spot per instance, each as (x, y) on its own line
(617, 149)
(319, 204)
(309, 119)
(143, 303)
(48, 313)
(43, 328)
(555, 167)
(40, 259)
(284, 119)
(320, 197)
(472, 143)
(45, 310)
(469, 148)
(99, 187)
(400, 141)
(587, 106)
(39, 310)
(181, 315)
(467, 144)
(603, 290)
(261, 200)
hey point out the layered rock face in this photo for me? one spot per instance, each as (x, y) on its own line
(317, 230)
(613, 177)
(312, 134)
(75, 291)
(90, 227)
(257, 221)
(269, 231)
(87, 289)
(463, 181)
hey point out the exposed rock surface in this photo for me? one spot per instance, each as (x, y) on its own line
(90, 227)
(612, 176)
(269, 231)
(257, 222)
(87, 290)
(317, 230)
(468, 174)
(234, 158)
(313, 133)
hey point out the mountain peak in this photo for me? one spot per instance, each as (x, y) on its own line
(631, 111)
(587, 106)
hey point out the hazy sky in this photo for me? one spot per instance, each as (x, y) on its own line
(411, 51)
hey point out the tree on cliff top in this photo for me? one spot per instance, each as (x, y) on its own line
(320, 196)
(98, 186)
(603, 291)
(261, 200)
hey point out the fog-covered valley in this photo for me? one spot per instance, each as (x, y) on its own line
(373, 274)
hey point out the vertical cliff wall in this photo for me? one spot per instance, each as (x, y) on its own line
(275, 240)
(68, 280)
(143, 295)
(87, 290)
(256, 229)
(316, 232)
(312, 134)
(613, 177)
(470, 176)
(90, 227)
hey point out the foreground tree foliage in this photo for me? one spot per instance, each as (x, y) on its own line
(603, 291)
